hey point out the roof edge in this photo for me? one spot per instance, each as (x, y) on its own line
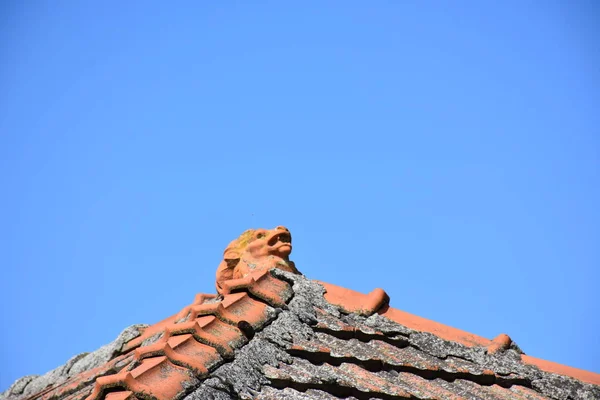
(561, 369)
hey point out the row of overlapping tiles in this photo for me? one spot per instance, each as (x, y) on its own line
(186, 346)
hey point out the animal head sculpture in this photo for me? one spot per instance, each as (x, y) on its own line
(256, 250)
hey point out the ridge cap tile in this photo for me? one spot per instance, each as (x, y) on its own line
(351, 301)
(263, 285)
(500, 343)
(126, 395)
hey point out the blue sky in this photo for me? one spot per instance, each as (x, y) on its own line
(447, 152)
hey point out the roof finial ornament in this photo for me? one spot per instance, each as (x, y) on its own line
(256, 250)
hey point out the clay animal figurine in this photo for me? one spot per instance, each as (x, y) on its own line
(256, 250)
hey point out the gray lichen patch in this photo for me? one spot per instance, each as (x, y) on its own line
(32, 384)
(18, 387)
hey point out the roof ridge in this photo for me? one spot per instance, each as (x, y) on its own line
(352, 301)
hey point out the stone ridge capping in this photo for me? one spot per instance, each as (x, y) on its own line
(350, 301)
(196, 341)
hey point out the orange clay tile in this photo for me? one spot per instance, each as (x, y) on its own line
(355, 302)
(256, 250)
(188, 346)
(156, 378)
(148, 332)
(425, 325)
(233, 309)
(181, 349)
(560, 369)
(212, 332)
(175, 357)
(262, 285)
(499, 343)
(200, 299)
(160, 326)
(126, 395)
(123, 381)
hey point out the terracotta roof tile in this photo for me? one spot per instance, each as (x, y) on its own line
(182, 350)
(233, 309)
(126, 395)
(424, 325)
(263, 286)
(349, 378)
(155, 378)
(560, 369)
(213, 332)
(499, 343)
(159, 327)
(355, 302)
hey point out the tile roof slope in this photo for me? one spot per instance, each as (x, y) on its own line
(274, 334)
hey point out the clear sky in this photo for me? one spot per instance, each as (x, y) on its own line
(448, 152)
